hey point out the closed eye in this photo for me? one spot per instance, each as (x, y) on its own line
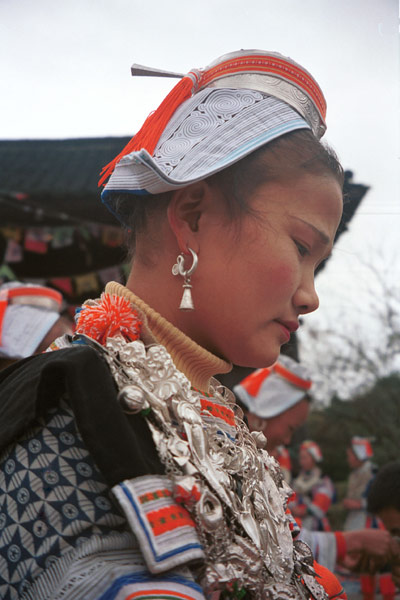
(303, 251)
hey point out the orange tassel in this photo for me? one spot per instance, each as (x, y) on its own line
(151, 130)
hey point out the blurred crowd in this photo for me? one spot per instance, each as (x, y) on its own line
(365, 553)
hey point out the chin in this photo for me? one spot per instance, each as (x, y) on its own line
(256, 360)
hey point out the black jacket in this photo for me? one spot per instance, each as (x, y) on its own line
(120, 444)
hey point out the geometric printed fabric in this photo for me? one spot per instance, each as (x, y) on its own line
(52, 499)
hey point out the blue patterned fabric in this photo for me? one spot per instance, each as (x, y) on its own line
(62, 534)
(53, 499)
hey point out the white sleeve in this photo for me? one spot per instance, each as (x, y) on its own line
(323, 546)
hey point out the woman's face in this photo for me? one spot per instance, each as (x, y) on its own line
(352, 459)
(280, 429)
(252, 285)
(306, 461)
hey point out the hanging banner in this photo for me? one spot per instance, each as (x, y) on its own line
(12, 233)
(36, 240)
(62, 237)
(14, 253)
(6, 274)
(86, 283)
(64, 284)
(112, 236)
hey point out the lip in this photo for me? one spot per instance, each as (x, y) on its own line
(287, 327)
(290, 325)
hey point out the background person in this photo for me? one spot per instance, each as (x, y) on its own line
(269, 398)
(314, 490)
(383, 500)
(359, 455)
(29, 320)
(276, 400)
(282, 455)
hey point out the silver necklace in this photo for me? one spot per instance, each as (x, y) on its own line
(239, 505)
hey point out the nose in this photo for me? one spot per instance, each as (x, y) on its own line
(306, 298)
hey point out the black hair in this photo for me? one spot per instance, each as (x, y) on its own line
(384, 491)
(284, 159)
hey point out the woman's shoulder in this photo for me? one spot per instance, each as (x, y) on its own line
(29, 387)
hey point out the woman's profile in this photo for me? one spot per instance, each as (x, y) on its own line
(128, 471)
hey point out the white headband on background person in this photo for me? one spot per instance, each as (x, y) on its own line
(27, 313)
(361, 447)
(313, 449)
(271, 391)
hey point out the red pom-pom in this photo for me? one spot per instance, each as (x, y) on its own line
(112, 316)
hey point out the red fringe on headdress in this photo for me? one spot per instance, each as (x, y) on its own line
(151, 130)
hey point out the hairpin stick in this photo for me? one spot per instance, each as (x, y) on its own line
(142, 71)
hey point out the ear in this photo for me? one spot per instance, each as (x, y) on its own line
(185, 212)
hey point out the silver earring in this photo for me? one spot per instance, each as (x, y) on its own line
(179, 269)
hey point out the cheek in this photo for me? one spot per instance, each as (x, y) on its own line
(281, 275)
(273, 433)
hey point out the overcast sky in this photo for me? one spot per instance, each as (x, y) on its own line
(65, 72)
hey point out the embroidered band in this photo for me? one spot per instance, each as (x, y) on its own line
(212, 118)
(165, 530)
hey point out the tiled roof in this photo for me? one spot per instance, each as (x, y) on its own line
(57, 176)
(60, 176)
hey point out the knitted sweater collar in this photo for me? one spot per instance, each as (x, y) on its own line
(198, 364)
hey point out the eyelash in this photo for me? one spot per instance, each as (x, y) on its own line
(303, 251)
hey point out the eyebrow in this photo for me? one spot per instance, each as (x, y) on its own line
(323, 237)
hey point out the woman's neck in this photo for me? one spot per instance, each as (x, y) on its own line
(195, 362)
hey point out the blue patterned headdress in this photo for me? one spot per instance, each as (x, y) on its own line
(214, 117)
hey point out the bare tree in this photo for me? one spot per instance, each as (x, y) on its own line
(363, 344)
